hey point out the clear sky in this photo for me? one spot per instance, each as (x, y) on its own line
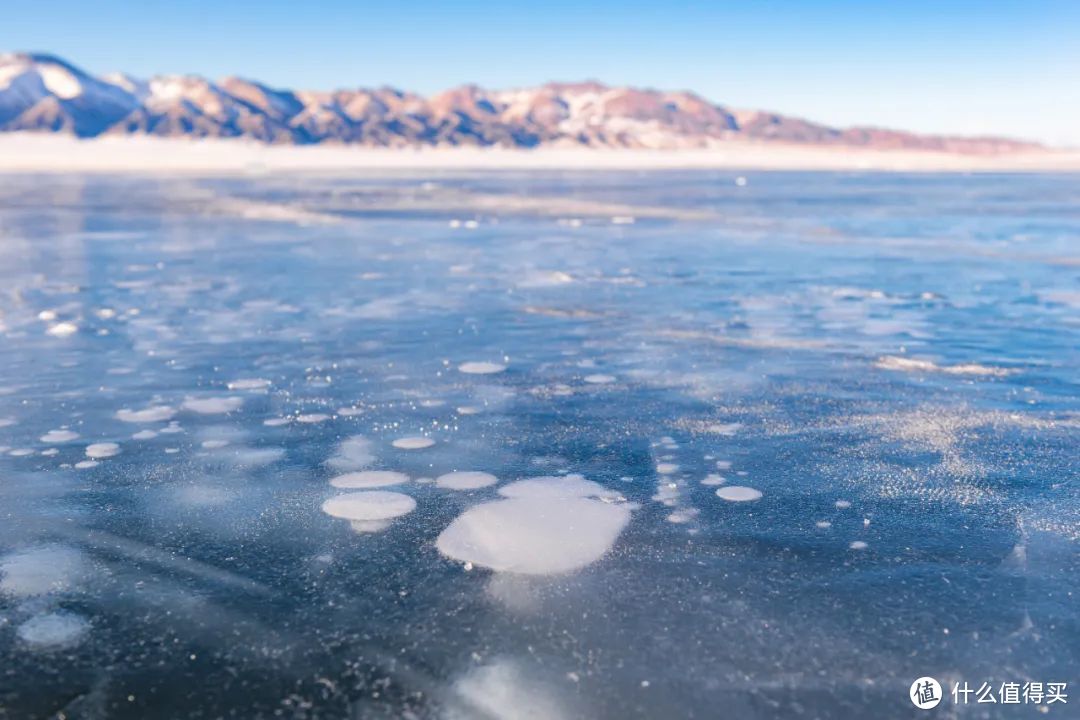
(962, 66)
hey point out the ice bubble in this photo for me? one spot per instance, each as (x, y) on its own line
(599, 379)
(503, 691)
(21, 452)
(666, 468)
(466, 480)
(158, 413)
(102, 450)
(249, 384)
(276, 422)
(214, 444)
(714, 479)
(213, 405)
(41, 570)
(723, 464)
(738, 493)
(858, 545)
(565, 486)
(59, 436)
(52, 630)
(50, 452)
(86, 464)
(312, 418)
(468, 410)
(372, 505)
(353, 453)
(413, 443)
(369, 479)
(144, 435)
(843, 504)
(350, 411)
(536, 535)
(682, 516)
(481, 368)
(823, 524)
(727, 429)
(63, 329)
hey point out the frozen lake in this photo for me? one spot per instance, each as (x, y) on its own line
(541, 446)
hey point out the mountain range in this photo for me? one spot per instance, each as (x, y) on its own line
(43, 93)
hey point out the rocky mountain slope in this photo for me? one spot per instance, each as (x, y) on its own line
(43, 93)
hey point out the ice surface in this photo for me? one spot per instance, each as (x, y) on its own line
(888, 359)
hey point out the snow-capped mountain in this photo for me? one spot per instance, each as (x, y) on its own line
(40, 92)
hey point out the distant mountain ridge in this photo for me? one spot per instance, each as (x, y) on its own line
(43, 93)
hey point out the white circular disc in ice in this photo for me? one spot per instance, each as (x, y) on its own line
(466, 480)
(738, 493)
(102, 450)
(52, 630)
(535, 533)
(413, 443)
(480, 368)
(371, 505)
(369, 479)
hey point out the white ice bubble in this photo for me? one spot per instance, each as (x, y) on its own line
(466, 480)
(86, 464)
(564, 486)
(156, 413)
(372, 505)
(843, 504)
(353, 453)
(666, 468)
(858, 545)
(249, 384)
(63, 329)
(144, 435)
(503, 690)
(823, 524)
(468, 410)
(312, 418)
(738, 493)
(52, 630)
(413, 443)
(350, 411)
(277, 421)
(214, 444)
(59, 436)
(481, 368)
(369, 479)
(546, 526)
(213, 405)
(714, 479)
(21, 452)
(41, 570)
(102, 450)
(599, 379)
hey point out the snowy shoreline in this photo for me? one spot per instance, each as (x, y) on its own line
(36, 153)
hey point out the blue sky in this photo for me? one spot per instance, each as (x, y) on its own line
(963, 66)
